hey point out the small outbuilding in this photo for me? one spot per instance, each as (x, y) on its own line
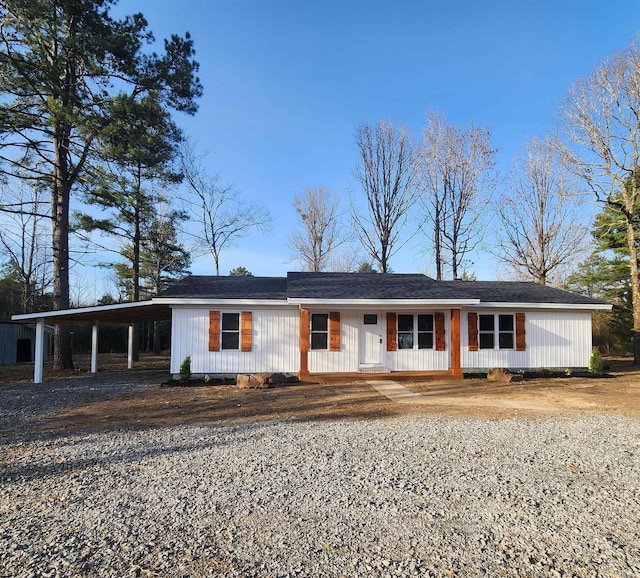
(17, 342)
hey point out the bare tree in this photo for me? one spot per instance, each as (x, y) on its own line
(223, 217)
(386, 175)
(601, 117)
(347, 260)
(320, 231)
(24, 235)
(456, 178)
(540, 229)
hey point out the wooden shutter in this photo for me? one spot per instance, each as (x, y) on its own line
(214, 330)
(438, 319)
(521, 343)
(246, 331)
(472, 322)
(305, 330)
(392, 339)
(334, 331)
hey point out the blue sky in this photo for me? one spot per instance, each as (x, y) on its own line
(286, 84)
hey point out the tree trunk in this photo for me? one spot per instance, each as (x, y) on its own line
(156, 337)
(62, 357)
(635, 290)
(135, 266)
(437, 241)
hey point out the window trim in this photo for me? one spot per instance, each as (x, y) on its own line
(416, 332)
(230, 331)
(431, 332)
(496, 332)
(313, 332)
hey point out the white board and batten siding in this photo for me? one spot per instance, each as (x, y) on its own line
(554, 339)
(345, 360)
(275, 342)
(418, 360)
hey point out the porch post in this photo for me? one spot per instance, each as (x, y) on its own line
(39, 352)
(130, 348)
(455, 368)
(94, 347)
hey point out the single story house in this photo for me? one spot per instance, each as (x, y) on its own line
(315, 323)
(332, 323)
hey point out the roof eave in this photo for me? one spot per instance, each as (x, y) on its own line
(383, 302)
(192, 301)
(525, 305)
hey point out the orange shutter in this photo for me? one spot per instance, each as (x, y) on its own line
(334, 331)
(472, 320)
(440, 336)
(246, 331)
(521, 344)
(214, 330)
(305, 329)
(392, 339)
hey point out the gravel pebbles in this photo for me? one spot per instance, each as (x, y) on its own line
(418, 496)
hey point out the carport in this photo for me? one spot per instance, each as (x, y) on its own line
(118, 314)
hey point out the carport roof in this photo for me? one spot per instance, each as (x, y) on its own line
(119, 313)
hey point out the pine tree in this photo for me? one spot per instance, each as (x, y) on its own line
(62, 65)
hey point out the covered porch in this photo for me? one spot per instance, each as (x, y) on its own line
(108, 315)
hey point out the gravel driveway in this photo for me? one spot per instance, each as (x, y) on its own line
(416, 496)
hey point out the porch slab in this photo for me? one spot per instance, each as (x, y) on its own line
(394, 375)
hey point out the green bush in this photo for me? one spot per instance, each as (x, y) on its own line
(595, 363)
(185, 370)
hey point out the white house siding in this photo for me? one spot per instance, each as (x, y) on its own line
(554, 339)
(275, 343)
(422, 359)
(345, 360)
(418, 360)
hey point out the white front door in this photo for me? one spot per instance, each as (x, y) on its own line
(371, 342)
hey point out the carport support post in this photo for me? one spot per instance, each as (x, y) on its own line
(39, 352)
(94, 347)
(130, 348)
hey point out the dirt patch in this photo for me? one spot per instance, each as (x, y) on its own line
(23, 372)
(157, 406)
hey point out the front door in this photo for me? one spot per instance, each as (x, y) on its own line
(371, 344)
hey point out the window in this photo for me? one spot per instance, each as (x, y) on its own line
(425, 331)
(231, 331)
(370, 319)
(319, 330)
(407, 330)
(487, 331)
(505, 331)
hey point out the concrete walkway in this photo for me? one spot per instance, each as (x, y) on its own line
(395, 392)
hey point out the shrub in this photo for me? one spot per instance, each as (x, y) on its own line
(595, 363)
(185, 370)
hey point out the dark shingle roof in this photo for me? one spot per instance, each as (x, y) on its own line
(359, 286)
(350, 286)
(514, 292)
(240, 287)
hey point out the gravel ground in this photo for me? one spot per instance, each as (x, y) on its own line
(417, 496)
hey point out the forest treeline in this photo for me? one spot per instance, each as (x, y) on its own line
(93, 158)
